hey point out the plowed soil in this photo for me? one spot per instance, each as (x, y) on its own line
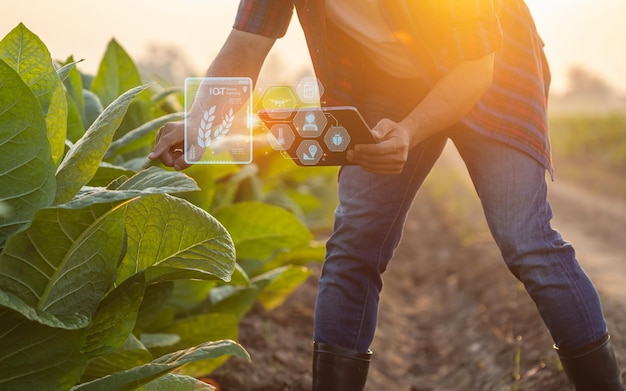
(452, 317)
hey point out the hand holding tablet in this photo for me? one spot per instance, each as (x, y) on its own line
(314, 136)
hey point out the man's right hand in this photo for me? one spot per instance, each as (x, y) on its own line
(241, 55)
(169, 147)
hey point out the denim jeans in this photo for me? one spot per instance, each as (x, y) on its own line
(512, 188)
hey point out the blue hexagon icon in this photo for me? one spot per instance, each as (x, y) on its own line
(310, 122)
(279, 101)
(309, 90)
(280, 137)
(337, 139)
(309, 152)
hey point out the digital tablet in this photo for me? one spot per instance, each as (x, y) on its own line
(316, 136)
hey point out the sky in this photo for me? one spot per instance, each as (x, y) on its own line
(576, 32)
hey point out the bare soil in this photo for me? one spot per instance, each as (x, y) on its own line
(452, 317)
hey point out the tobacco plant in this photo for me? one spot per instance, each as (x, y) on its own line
(115, 273)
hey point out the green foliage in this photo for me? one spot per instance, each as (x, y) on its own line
(600, 138)
(136, 377)
(83, 159)
(116, 274)
(28, 56)
(24, 147)
(71, 288)
(117, 73)
(268, 229)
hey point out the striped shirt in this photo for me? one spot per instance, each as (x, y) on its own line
(438, 34)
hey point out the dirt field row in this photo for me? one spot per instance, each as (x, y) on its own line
(451, 318)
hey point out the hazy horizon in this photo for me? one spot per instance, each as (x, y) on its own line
(576, 32)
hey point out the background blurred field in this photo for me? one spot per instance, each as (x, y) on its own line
(588, 128)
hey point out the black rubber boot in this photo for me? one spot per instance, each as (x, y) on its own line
(339, 369)
(592, 367)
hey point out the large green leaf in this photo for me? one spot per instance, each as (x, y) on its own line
(196, 330)
(66, 260)
(117, 73)
(152, 180)
(27, 171)
(115, 318)
(140, 136)
(258, 230)
(131, 379)
(26, 53)
(37, 357)
(173, 239)
(82, 160)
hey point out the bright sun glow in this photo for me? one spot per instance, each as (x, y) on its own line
(576, 32)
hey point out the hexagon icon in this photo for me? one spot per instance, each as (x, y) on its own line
(337, 139)
(309, 90)
(280, 137)
(310, 122)
(309, 152)
(279, 101)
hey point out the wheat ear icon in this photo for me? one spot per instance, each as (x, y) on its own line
(204, 131)
(206, 125)
(224, 127)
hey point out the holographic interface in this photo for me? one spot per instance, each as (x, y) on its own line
(218, 120)
(219, 126)
(306, 133)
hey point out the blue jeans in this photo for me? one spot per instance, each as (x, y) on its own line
(513, 192)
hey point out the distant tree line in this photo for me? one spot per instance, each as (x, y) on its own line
(587, 92)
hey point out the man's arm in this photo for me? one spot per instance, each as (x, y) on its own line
(242, 55)
(446, 104)
(451, 99)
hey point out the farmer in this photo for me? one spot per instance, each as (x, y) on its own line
(422, 72)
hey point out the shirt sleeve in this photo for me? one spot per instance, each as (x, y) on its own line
(269, 18)
(464, 29)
